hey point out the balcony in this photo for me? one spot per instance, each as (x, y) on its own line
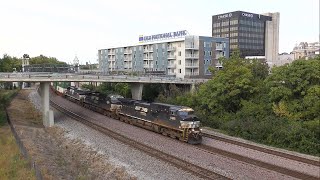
(127, 51)
(127, 59)
(171, 48)
(148, 58)
(127, 66)
(171, 57)
(192, 56)
(192, 73)
(147, 65)
(111, 59)
(111, 53)
(171, 66)
(194, 47)
(192, 65)
(148, 50)
(219, 48)
(171, 73)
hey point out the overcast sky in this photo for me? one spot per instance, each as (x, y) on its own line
(65, 28)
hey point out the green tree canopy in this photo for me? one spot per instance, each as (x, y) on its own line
(239, 80)
(44, 60)
(295, 90)
(8, 63)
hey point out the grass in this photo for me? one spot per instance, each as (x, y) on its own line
(12, 164)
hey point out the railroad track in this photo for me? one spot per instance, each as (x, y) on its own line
(179, 163)
(279, 169)
(265, 150)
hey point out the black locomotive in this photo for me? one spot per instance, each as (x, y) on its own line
(170, 120)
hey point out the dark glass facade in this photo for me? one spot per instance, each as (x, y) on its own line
(246, 31)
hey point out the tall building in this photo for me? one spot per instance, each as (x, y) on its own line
(173, 53)
(252, 34)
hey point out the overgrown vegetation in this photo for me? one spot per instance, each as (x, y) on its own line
(5, 96)
(281, 108)
(12, 164)
(111, 88)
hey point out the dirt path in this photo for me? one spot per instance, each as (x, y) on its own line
(57, 156)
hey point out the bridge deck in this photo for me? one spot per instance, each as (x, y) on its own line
(44, 77)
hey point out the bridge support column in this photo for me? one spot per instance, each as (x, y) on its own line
(136, 90)
(192, 88)
(47, 114)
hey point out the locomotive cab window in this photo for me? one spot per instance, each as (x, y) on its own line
(183, 113)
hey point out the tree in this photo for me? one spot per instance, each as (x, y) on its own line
(239, 80)
(44, 60)
(8, 63)
(294, 90)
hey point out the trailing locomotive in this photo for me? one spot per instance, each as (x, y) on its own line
(170, 120)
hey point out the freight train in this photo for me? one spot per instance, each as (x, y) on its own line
(170, 120)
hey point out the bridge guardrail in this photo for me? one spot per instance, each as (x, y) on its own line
(95, 78)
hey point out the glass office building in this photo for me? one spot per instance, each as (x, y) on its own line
(253, 34)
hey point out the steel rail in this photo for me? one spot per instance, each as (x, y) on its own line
(265, 150)
(179, 163)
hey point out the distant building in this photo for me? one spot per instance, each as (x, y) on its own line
(306, 50)
(253, 34)
(173, 53)
(285, 58)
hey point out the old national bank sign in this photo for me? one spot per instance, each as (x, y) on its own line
(163, 36)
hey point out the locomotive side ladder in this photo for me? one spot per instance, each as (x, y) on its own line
(185, 134)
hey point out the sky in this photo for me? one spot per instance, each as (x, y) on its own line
(68, 28)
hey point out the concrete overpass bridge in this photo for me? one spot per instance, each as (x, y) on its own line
(136, 84)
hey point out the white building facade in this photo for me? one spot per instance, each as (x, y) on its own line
(175, 54)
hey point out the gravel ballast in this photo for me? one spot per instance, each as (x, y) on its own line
(135, 162)
(123, 157)
(223, 165)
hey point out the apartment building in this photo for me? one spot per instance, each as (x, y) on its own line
(175, 54)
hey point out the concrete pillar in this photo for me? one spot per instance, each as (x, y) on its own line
(136, 90)
(47, 114)
(193, 88)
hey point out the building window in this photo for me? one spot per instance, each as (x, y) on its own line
(179, 70)
(225, 23)
(179, 62)
(179, 53)
(209, 53)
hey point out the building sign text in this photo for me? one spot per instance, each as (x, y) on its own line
(229, 15)
(163, 36)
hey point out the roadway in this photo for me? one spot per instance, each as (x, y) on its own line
(68, 77)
